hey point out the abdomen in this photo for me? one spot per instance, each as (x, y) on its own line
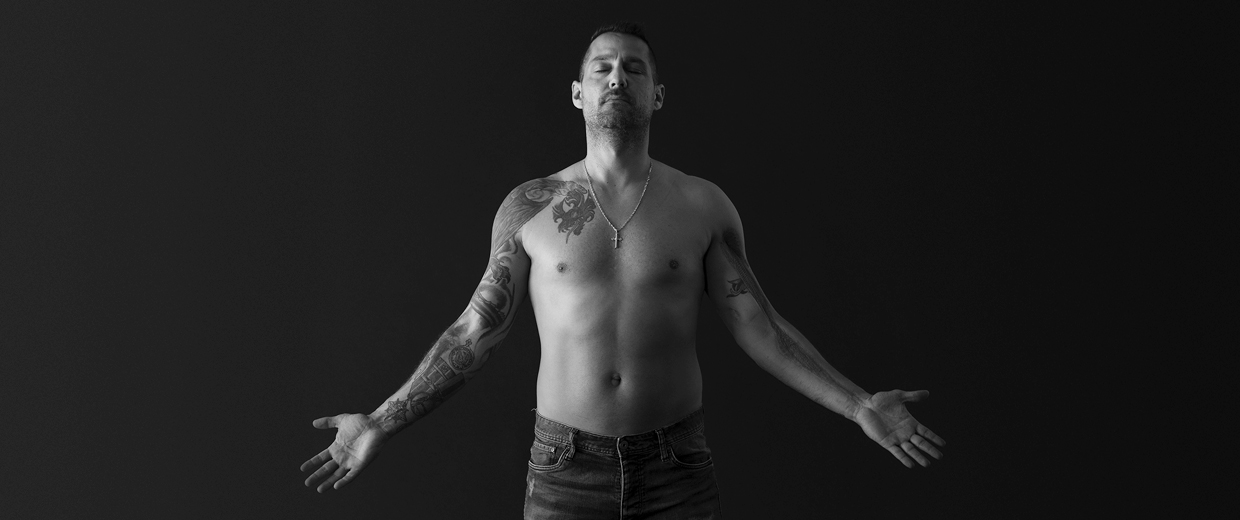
(615, 363)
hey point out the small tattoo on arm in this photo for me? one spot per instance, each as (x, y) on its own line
(746, 284)
(737, 288)
(462, 357)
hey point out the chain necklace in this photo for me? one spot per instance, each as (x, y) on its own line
(616, 240)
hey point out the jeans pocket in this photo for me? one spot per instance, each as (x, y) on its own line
(691, 453)
(547, 456)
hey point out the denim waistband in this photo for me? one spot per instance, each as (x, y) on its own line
(653, 440)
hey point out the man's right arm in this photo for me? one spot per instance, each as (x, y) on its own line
(461, 351)
(455, 358)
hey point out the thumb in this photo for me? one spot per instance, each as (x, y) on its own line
(915, 396)
(324, 423)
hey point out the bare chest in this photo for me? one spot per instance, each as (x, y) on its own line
(570, 242)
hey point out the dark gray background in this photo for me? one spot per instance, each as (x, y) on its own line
(224, 220)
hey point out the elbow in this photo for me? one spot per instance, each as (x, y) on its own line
(755, 341)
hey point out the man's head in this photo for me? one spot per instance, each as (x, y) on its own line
(617, 89)
(628, 28)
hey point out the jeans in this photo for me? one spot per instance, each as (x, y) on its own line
(666, 473)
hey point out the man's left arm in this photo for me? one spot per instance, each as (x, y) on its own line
(781, 350)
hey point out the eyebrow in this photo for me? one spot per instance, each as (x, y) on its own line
(609, 57)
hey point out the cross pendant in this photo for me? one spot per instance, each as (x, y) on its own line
(616, 240)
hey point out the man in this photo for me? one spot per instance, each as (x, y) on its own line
(615, 252)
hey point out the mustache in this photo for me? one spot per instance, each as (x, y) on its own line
(616, 95)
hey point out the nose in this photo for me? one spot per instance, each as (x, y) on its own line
(618, 79)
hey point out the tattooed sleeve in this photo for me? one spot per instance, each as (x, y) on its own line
(467, 344)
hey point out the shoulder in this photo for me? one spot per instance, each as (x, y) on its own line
(529, 199)
(706, 196)
(523, 202)
(714, 206)
(539, 192)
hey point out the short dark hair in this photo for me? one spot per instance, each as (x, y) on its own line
(628, 28)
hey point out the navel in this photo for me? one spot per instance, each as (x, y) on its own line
(615, 379)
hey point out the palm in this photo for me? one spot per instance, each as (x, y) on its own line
(358, 440)
(884, 419)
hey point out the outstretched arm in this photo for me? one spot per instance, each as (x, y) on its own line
(455, 358)
(461, 351)
(781, 350)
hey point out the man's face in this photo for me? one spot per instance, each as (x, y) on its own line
(617, 87)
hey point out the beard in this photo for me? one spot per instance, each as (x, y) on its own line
(619, 123)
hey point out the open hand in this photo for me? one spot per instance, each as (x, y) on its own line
(885, 420)
(358, 439)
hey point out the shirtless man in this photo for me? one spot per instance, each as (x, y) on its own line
(615, 252)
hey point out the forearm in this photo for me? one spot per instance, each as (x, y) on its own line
(771, 341)
(781, 350)
(462, 350)
(453, 360)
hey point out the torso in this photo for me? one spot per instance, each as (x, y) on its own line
(618, 325)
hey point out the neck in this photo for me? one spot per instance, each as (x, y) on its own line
(615, 161)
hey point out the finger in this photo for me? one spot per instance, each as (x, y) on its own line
(925, 432)
(352, 475)
(913, 397)
(324, 423)
(331, 480)
(912, 452)
(924, 445)
(899, 454)
(345, 480)
(322, 473)
(317, 460)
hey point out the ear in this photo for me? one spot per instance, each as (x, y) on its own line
(659, 92)
(577, 94)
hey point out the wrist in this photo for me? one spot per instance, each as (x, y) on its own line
(858, 403)
(382, 421)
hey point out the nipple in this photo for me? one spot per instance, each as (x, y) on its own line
(674, 264)
(561, 267)
(615, 380)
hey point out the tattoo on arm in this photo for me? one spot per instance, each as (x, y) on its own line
(493, 300)
(746, 284)
(451, 361)
(442, 373)
(571, 213)
(737, 287)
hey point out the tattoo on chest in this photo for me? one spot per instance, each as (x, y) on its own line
(572, 212)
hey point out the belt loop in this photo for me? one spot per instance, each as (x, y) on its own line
(663, 447)
(572, 444)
